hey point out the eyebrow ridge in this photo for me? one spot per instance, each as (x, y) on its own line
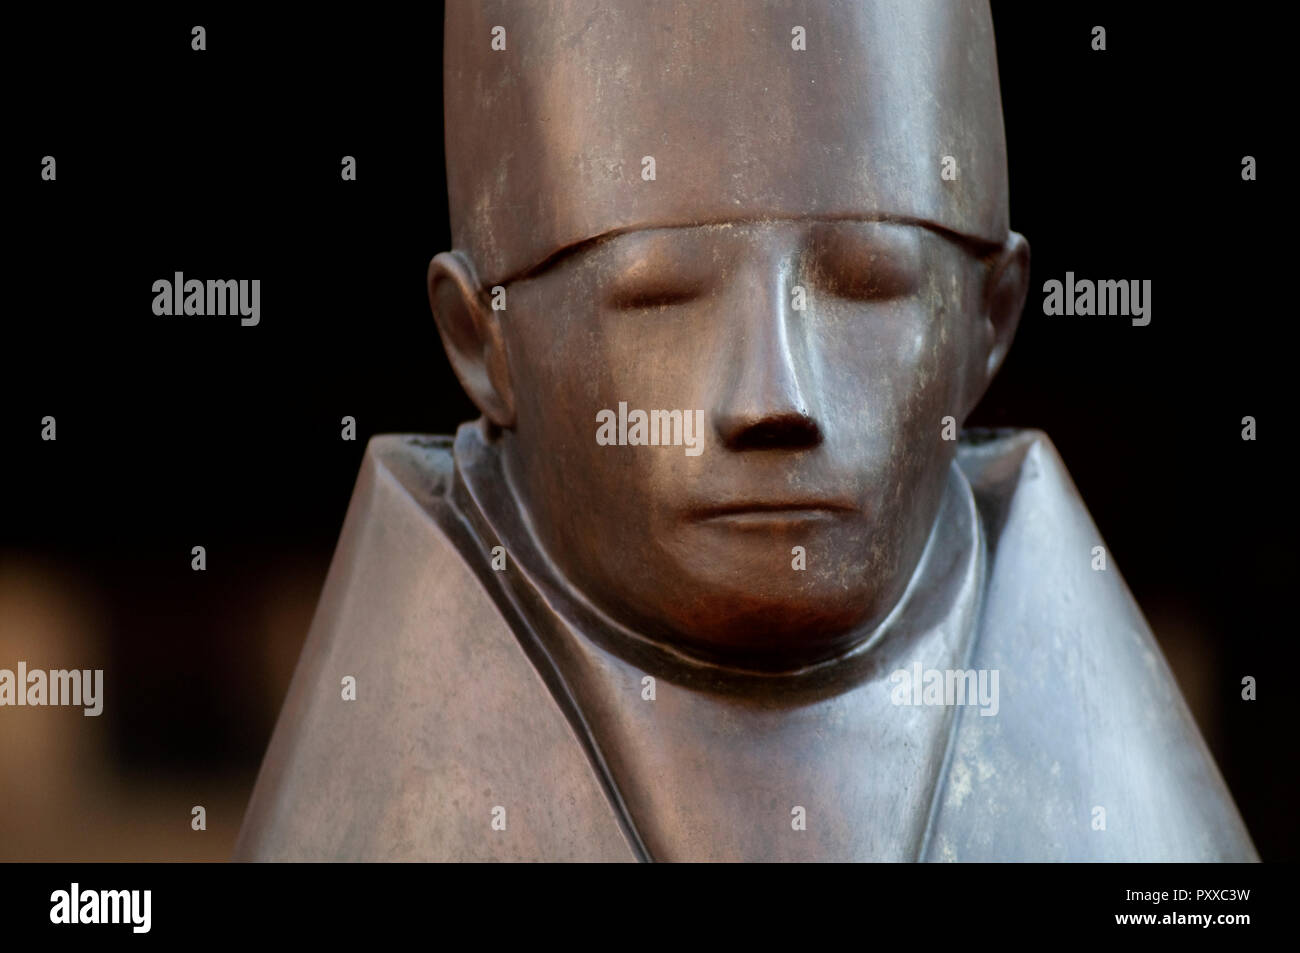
(980, 247)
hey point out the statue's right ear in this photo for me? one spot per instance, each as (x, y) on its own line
(471, 333)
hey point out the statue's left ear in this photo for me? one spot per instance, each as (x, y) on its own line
(1004, 299)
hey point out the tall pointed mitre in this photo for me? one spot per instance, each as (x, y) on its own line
(831, 108)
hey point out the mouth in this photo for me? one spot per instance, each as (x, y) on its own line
(765, 512)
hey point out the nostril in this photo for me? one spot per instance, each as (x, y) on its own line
(791, 431)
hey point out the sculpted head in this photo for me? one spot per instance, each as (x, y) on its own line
(688, 212)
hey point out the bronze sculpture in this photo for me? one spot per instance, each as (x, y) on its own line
(592, 628)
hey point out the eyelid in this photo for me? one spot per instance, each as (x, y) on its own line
(656, 285)
(850, 266)
(651, 296)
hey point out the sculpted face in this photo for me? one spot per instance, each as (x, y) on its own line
(822, 347)
(822, 427)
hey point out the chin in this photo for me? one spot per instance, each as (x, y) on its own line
(768, 630)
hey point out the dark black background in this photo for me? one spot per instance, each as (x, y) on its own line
(177, 432)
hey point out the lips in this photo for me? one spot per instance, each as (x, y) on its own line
(770, 511)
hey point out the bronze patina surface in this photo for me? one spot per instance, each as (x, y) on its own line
(780, 232)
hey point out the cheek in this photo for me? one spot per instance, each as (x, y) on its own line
(551, 412)
(567, 366)
(936, 358)
(890, 373)
(933, 411)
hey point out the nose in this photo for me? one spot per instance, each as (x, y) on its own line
(763, 403)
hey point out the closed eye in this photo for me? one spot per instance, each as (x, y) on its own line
(873, 264)
(643, 293)
(878, 278)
